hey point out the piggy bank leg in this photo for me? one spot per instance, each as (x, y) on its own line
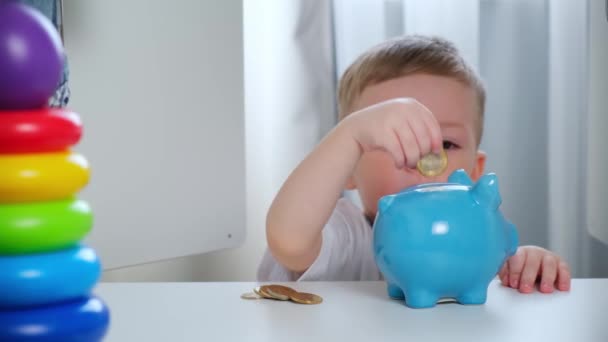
(420, 298)
(475, 295)
(394, 291)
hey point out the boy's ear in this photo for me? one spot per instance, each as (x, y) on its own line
(480, 165)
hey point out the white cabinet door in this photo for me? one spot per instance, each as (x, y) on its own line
(159, 86)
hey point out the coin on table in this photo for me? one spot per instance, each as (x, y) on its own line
(251, 295)
(279, 291)
(306, 298)
(433, 164)
(258, 290)
(265, 290)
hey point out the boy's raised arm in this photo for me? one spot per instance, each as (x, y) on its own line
(402, 127)
(307, 198)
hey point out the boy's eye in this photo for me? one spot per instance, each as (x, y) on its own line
(448, 145)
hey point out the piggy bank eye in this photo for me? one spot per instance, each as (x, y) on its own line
(448, 145)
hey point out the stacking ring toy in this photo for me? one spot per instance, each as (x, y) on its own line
(47, 278)
(82, 320)
(31, 57)
(42, 176)
(39, 130)
(43, 226)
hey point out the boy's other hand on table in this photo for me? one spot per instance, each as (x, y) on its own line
(531, 264)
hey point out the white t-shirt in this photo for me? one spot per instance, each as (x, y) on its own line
(346, 252)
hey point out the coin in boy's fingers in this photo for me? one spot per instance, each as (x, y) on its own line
(433, 164)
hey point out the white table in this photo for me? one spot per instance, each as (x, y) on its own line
(351, 311)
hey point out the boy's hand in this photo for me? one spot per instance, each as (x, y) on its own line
(402, 127)
(532, 263)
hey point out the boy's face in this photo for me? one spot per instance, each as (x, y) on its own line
(455, 108)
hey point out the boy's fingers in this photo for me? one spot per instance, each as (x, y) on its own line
(506, 279)
(434, 132)
(393, 146)
(503, 274)
(421, 133)
(409, 145)
(516, 265)
(563, 276)
(530, 272)
(549, 273)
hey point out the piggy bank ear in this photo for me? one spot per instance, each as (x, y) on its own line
(486, 192)
(385, 202)
(460, 177)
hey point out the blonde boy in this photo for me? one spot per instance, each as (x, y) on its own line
(400, 100)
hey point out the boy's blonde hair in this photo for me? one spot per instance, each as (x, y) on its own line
(403, 56)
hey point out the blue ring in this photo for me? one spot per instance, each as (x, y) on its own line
(45, 278)
(82, 320)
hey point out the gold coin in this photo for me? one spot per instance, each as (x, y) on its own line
(275, 295)
(306, 298)
(279, 291)
(258, 290)
(433, 164)
(251, 295)
(284, 290)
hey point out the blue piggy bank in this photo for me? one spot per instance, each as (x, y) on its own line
(443, 240)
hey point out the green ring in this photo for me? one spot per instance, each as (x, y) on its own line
(43, 226)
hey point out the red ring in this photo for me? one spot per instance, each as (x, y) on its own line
(38, 130)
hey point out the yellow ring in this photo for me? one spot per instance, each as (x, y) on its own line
(41, 176)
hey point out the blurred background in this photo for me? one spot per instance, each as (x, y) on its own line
(196, 112)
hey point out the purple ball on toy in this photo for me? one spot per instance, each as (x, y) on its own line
(31, 57)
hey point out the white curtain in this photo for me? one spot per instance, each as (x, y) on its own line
(597, 123)
(544, 113)
(578, 189)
